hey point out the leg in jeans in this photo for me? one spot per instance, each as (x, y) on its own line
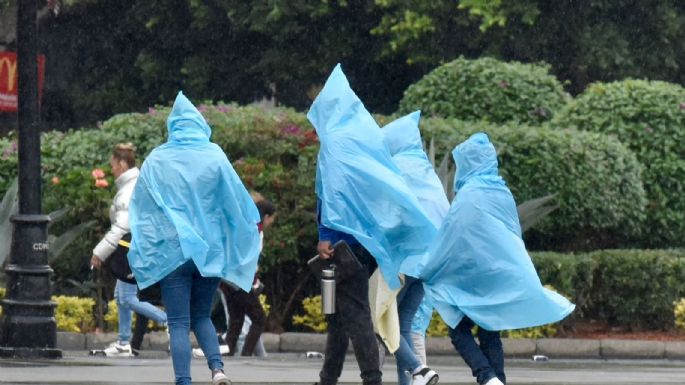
(129, 299)
(353, 320)
(254, 310)
(491, 346)
(236, 313)
(176, 288)
(139, 332)
(336, 348)
(408, 301)
(352, 304)
(463, 341)
(124, 312)
(201, 298)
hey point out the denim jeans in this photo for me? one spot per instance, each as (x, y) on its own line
(187, 296)
(485, 360)
(126, 295)
(408, 301)
(352, 320)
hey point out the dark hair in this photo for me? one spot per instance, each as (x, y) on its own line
(265, 208)
(125, 152)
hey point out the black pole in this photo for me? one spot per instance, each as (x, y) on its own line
(28, 323)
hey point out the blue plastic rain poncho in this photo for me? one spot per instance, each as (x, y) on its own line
(361, 190)
(406, 148)
(478, 264)
(189, 203)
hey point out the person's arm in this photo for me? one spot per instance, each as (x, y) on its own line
(109, 243)
(324, 248)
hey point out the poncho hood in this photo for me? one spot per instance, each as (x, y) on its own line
(185, 123)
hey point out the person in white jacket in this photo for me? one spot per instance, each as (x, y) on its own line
(125, 172)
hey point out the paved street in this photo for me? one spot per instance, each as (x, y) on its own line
(293, 368)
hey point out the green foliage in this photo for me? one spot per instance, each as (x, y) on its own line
(8, 163)
(596, 179)
(487, 89)
(625, 288)
(74, 314)
(649, 117)
(313, 317)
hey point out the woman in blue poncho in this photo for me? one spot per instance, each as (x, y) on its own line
(192, 224)
(478, 271)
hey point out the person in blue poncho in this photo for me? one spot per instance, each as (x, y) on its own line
(362, 199)
(478, 272)
(406, 147)
(192, 224)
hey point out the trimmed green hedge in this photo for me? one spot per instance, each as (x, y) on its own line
(597, 180)
(487, 89)
(649, 117)
(629, 288)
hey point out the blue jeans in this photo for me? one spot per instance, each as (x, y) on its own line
(187, 296)
(408, 301)
(485, 360)
(126, 295)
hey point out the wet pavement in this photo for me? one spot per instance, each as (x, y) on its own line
(295, 368)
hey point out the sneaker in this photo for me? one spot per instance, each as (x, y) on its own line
(115, 349)
(494, 381)
(223, 350)
(425, 376)
(219, 378)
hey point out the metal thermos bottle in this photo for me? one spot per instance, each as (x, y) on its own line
(328, 291)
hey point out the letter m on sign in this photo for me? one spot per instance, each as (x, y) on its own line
(8, 80)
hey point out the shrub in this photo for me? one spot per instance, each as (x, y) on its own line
(487, 89)
(597, 180)
(74, 314)
(313, 317)
(679, 314)
(649, 117)
(626, 288)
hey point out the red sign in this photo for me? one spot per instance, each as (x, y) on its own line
(8, 80)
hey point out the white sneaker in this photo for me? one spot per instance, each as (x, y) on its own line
(426, 376)
(223, 350)
(115, 349)
(494, 381)
(219, 378)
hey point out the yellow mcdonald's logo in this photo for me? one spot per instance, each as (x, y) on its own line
(11, 71)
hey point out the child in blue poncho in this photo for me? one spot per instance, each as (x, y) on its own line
(478, 272)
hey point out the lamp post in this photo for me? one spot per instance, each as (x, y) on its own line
(28, 328)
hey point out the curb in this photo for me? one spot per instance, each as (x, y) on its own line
(441, 346)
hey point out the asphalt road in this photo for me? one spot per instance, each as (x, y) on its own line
(292, 368)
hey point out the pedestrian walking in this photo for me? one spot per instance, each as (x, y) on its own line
(241, 303)
(363, 200)
(114, 245)
(478, 272)
(193, 224)
(406, 148)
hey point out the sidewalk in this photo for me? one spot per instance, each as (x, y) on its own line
(76, 368)
(435, 346)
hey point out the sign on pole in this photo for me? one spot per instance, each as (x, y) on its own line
(8, 80)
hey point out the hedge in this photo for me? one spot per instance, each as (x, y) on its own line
(634, 289)
(597, 180)
(649, 117)
(487, 89)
